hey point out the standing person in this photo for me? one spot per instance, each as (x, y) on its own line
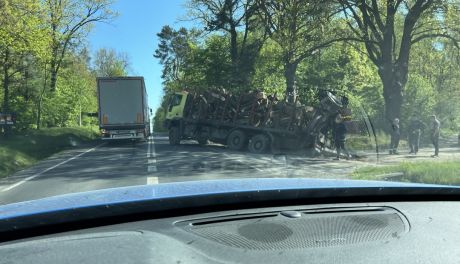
(415, 130)
(435, 131)
(395, 136)
(340, 132)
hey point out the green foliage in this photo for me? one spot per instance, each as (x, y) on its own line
(172, 51)
(160, 116)
(432, 87)
(344, 69)
(420, 98)
(211, 59)
(244, 29)
(438, 63)
(109, 63)
(68, 23)
(310, 48)
(40, 38)
(268, 75)
(21, 29)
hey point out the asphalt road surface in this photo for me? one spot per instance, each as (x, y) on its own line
(110, 165)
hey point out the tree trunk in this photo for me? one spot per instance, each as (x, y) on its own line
(6, 83)
(234, 57)
(234, 46)
(40, 100)
(392, 92)
(290, 70)
(53, 75)
(6, 92)
(39, 113)
(79, 117)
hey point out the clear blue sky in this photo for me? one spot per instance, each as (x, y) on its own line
(134, 32)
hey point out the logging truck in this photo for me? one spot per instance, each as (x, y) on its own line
(250, 121)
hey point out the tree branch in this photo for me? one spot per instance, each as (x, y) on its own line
(323, 45)
(437, 35)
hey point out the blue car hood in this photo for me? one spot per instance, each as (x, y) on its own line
(196, 189)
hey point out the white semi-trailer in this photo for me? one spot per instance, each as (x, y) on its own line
(123, 109)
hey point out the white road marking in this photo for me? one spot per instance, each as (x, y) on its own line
(151, 162)
(48, 169)
(149, 147)
(152, 150)
(241, 161)
(152, 180)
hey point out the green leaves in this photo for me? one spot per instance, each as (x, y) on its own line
(173, 49)
(21, 26)
(344, 46)
(109, 63)
(37, 39)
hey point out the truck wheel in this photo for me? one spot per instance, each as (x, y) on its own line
(258, 144)
(174, 136)
(237, 140)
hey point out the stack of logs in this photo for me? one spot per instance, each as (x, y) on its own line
(252, 108)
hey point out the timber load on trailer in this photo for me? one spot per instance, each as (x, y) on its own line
(249, 120)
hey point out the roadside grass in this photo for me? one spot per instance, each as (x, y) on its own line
(364, 142)
(24, 149)
(443, 172)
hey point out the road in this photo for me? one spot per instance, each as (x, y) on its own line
(109, 165)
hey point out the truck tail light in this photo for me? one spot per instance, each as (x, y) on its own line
(139, 118)
(105, 119)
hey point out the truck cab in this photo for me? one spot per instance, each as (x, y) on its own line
(174, 114)
(176, 106)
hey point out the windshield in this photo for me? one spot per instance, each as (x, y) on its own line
(99, 94)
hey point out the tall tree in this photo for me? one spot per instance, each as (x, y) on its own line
(238, 19)
(22, 40)
(300, 27)
(68, 21)
(375, 23)
(109, 63)
(192, 65)
(75, 93)
(19, 38)
(172, 51)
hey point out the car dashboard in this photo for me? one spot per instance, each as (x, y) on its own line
(376, 232)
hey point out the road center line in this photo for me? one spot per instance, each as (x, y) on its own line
(149, 147)
(152, 150)
(151, 162)
(48, 169)
(152, 180)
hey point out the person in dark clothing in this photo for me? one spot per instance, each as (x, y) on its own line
(435, 132)
(395, 136)
(415, 130)
(340, 132)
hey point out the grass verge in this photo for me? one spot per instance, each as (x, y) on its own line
(22, 150)
(444, 172)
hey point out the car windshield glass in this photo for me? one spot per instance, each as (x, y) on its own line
(100, 94)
